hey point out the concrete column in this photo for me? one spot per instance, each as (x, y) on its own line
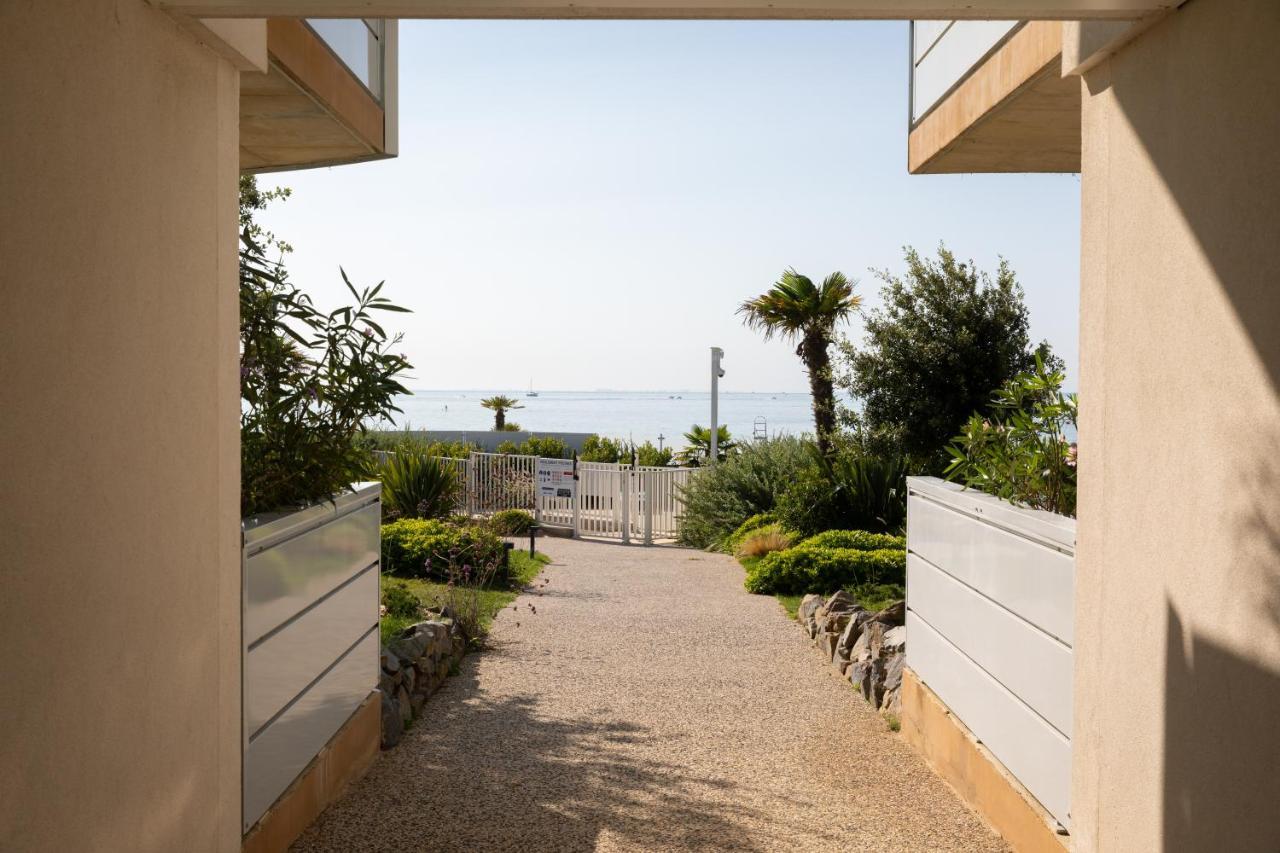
(1177, 677)
(119, 459)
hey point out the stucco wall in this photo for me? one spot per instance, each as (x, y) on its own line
(1177, 677)
(119, 618)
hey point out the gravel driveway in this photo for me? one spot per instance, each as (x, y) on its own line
(641, 700)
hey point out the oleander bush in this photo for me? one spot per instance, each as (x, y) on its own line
(823, 570)
(440, 550)
(511, 522)
(858, 540)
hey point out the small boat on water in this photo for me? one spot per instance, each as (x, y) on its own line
(531, 392)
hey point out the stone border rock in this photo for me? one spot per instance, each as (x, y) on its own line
(867, 648)
(413, 667)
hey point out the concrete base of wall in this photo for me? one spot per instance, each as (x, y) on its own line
(975, 774)
(344, 759)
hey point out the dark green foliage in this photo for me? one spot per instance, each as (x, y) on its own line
(429, 548)
(877, 596)
(511, 522)
(721, 497)
(417, 485)
(849, 489)
(945, 339)
(547, 447)
(824, 570)
(601, 449)
(859, 540)
(309, 381)
(1021, 452)
(798, 310)
(399, 601)
(730, 543)
(392, 439)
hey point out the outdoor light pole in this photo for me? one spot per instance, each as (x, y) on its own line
(716, 372)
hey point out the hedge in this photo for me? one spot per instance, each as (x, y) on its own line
(429, 548)
(810, 568)
(858, 540)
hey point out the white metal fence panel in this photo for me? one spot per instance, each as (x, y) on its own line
(990, 604)
(498, 481)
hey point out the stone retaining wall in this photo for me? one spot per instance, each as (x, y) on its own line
(413, 667)
(867, 648)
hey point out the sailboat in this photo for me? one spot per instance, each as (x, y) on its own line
(531, 392)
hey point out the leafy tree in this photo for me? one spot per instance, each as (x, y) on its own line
(648, 455)
(597, 448)
(947, 336)
(500, 405)
(698, 449)
(798, 310)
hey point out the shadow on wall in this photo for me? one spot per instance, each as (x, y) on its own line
(1221, 748)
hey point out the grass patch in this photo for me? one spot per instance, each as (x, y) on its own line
(791, 604)
(892, 721)
(433, 593)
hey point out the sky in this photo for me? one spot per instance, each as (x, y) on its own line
(583, 204)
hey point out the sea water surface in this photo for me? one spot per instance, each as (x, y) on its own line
(637, 415)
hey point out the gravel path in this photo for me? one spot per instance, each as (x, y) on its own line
(648, 704)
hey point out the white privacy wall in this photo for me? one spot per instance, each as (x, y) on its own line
(942, 54)
(990, 603)
(311, 638)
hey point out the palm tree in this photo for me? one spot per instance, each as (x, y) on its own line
(796, 309)
(698, 449)
(500, 406)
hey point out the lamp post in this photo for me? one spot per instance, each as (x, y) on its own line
(716, 372)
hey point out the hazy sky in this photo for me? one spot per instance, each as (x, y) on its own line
(584, 204)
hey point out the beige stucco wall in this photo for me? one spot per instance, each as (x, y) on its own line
(1177, 679)
(119, 625)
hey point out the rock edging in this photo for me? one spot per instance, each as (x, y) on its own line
(867, 648)
(414, 665)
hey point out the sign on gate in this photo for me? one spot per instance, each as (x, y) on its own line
(555, 478)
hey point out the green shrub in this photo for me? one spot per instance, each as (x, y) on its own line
(415, 485)
(824, 570)
(877, 596)
(761, 519)
(720, 498)
(399, 601)
(600, 449)
(429, 548)
(858, 540)
(510, 522)
(547, 447)
(850, 489)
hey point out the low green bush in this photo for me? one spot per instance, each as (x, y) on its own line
(730, 543)
(807, 568)
(858, 540)
(511, 522)
(429, 548)
(399, 601)
(548, 447)
(877, 596)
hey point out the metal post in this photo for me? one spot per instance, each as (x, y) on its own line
(624, 474)
(716, 373)
(648, 505)
(577, 500)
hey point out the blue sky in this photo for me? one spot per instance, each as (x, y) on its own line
(586, 203)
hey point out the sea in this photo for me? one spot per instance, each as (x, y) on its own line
(639, 416)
